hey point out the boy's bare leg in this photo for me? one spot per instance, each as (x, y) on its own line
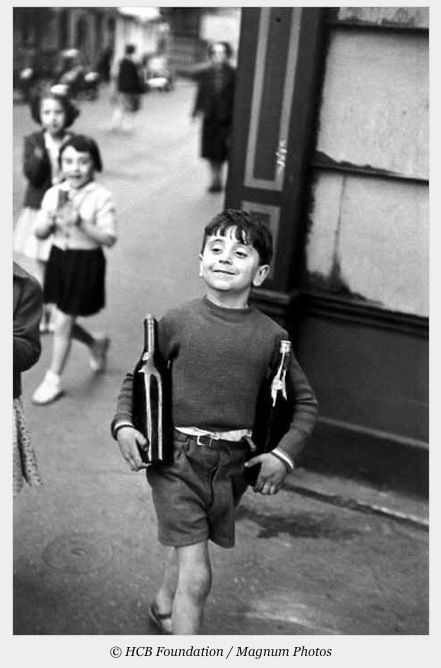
(166, 593)
(194, 584)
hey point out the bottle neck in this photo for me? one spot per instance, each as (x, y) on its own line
(279, 381)
(149, 338)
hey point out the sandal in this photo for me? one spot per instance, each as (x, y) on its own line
(157, 618)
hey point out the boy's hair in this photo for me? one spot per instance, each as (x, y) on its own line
(71, 111)
(84, 144)
(249, 229)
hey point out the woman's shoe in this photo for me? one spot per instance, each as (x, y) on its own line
(49, 390)
(158, 618)
(215, 187)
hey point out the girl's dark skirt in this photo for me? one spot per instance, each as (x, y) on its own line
(75, 281)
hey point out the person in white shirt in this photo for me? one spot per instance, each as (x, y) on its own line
(80, 215)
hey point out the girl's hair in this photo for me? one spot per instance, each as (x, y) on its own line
(84, 144)
(248, 229)
(71, 111)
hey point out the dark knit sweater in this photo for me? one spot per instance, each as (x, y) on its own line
(219, 358)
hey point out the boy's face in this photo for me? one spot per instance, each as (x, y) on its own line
(227, 265)
(77, 167)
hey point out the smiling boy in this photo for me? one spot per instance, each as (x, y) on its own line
(219, 349)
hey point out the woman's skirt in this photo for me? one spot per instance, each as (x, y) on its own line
(24, 240)
(215, 141)
(25, 466)
(75, 281)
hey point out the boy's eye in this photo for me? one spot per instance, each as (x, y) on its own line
(241, 253)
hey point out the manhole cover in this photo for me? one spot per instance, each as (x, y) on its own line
(78, 553)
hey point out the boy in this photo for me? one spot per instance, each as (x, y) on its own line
(219, 349)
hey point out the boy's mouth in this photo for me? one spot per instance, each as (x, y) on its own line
(224, 272)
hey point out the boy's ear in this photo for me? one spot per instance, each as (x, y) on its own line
(200, 264)
(261, 273)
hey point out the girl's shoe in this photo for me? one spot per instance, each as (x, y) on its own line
(49, 390)
(158, 618)
(98, 353)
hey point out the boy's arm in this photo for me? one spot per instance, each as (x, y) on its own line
(304, 416)
(122, 428)
(123, 414)
(280, 461)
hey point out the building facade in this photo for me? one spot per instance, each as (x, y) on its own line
(330, 147)
(41, 33)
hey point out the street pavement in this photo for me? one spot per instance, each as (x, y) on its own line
(323, 557)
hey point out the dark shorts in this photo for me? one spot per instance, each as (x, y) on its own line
(195, 497)
(75, 281)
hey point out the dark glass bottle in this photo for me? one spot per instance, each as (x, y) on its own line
(274, 410)
(151, 408)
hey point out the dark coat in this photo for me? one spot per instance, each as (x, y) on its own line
(27, 305)
(216, 107)
(128, 80)
(37, 169)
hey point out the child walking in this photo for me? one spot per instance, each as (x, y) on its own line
(219, 349)
(55, 113)
(80, 214)
(27, 304)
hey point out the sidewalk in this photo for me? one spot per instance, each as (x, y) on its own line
(354, 495)
(86, 556)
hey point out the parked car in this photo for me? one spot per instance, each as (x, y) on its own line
(158, 74)
(79, 78)
(28, 83)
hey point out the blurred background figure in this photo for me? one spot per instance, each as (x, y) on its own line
(214, 102)
(27, 304)
(55, 114)
(104, 64)
(128, 90)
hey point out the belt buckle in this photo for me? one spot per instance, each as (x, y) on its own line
(200, 436)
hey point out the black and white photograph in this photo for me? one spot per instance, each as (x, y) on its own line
(220, 246)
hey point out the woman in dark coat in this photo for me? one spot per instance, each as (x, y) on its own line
(214, 102)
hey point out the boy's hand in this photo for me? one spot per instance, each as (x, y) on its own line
(128, 440)
(272, 473)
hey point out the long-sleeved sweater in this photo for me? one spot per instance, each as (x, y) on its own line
(219, 359)
(27, 305)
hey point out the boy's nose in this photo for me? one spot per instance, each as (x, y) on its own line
(225, 257)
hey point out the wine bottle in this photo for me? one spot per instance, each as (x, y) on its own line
(151, 405)
(274, 410)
